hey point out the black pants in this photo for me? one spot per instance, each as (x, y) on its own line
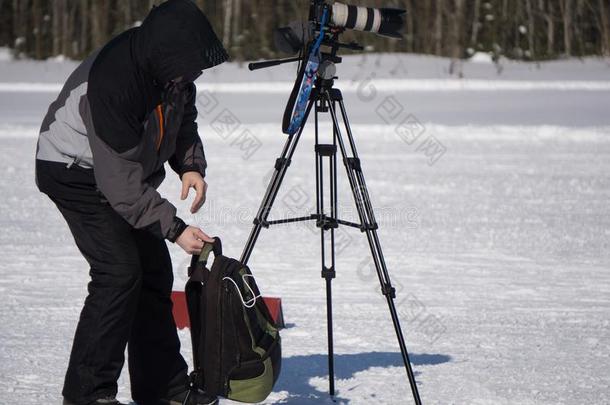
(129, 303)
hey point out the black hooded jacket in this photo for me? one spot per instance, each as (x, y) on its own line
(119, 118)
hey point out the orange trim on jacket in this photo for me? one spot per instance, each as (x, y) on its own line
(161, 126)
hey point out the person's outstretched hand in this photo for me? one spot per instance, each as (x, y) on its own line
(191, 240)
(194, 180)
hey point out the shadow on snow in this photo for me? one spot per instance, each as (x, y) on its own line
(298, 370)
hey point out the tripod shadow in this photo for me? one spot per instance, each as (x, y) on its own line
(298, 370)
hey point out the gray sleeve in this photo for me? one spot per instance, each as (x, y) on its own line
(189, 155)
(119, 176)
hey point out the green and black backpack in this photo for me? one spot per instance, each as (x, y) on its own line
(236, 344)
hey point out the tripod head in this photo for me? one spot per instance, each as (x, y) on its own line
(331, 41)
(316, 67)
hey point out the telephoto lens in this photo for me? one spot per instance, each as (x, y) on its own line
(383, 21)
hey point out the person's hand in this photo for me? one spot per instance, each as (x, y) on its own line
(194, 180)
(191, 240)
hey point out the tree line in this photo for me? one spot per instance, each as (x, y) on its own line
(517, 29)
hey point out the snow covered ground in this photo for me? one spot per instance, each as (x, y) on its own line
(492, 194)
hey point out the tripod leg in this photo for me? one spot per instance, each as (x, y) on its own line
(367, 218)
(327, 225)
(281, 166)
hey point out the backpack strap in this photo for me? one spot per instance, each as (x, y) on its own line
(208, 248)
(199, 262)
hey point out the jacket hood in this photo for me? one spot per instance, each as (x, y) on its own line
(176, 39)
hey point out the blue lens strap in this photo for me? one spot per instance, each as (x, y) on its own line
(308, 80)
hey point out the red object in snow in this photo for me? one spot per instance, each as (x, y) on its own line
(274, 305)
(181, 315)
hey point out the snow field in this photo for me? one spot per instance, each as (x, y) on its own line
(498, 246)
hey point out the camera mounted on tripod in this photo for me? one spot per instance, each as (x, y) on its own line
(327, 21)
(388, 22)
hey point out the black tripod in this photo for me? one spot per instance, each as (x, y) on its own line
(325, 99)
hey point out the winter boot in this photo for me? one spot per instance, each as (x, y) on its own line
(190, 397)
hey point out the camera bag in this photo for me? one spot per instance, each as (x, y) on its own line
(236, 344)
